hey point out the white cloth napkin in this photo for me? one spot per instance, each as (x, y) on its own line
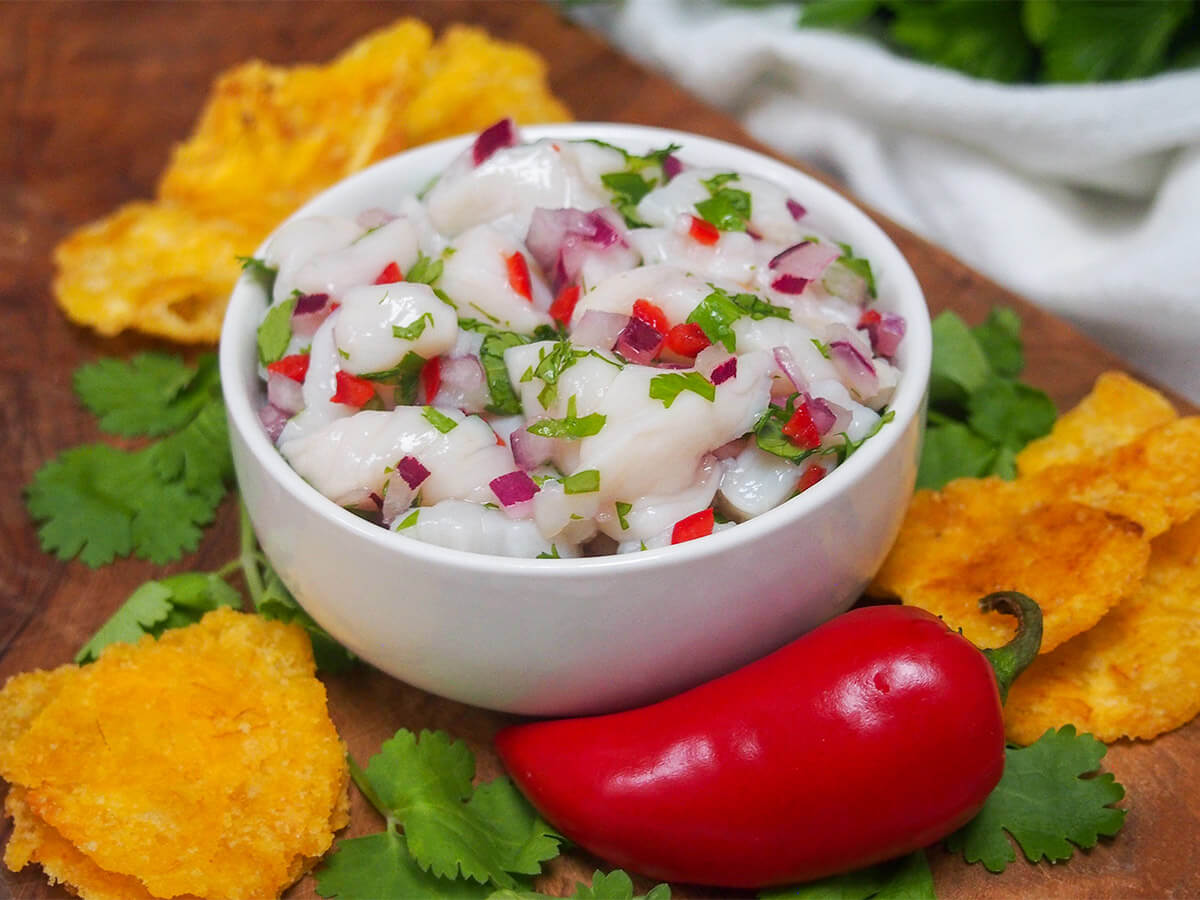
(1085, 199)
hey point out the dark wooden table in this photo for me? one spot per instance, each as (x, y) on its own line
(92, 97)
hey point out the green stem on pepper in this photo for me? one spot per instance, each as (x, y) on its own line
(1012, 659)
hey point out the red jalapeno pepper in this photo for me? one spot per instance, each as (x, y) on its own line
(873, 735)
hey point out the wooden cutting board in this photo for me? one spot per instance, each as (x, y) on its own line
(92, 97)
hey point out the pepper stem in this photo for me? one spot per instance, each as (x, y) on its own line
(1010, 660)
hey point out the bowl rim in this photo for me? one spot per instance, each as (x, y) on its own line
(237, 358)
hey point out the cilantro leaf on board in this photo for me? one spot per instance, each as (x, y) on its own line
(1046, 801)
(157, 605)
(380, 867)
(906, 878)
(98, 502)
(616, 885)
(985, 40)
(276, 602)
(150, 395)
(453, 830)
(979, 416)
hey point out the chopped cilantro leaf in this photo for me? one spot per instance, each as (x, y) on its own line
(408, 521)
(439, 420)
(553, 554)
(627, 189)
(570, 427)
(551, 365)
(821, 346)
(413, 330)
(715, 315)
(275, 331)
(1045, 802)
(726, 208)
(584, 482)
(623, 509)
(505, 400)
(425, 270)
(405, 376)
(261, 273)
(858, 265)
(669, 385)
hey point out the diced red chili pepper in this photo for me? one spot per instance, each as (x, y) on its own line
(390, 275)
(652, 315)
(811, 476)
(352, 390)
(869, 317)
(563, 306)
(518, 275)
(687, 339)
(704, 232)
(294, 367)
(694, 526)
(801, 430)
(431, 378)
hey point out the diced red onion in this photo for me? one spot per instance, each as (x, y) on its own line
(411, 470)
(376, 500)
(798, 212)
(530, 450)
(284, 394)
(494, 137)
(463, 384)
(788, 365)
(560, 240)
(598, 329)
(886, 334)
(639, 341)
(790, 284)
(730, 449)
(807, 259)
(515, 487)
(754, 235)
(374, 217)
(671, 166)
(309, 312)
(854, 368)
(273, 419)
(724, 371)
(830, 418)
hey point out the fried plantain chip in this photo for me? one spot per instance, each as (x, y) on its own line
(982, 535)
(1116, 411)
(201, 763)
(1137, 673)
(1153, 480)
(33, 841)
(269, 138)
(155, 267)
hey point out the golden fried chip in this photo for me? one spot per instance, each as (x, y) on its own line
(269, 138)
(23, 697)
(471, 81)
(983, 535)
(1153, 480)
(33, 841)
(201, 763)
(1137, 673)
(1118, 410)
(156, 267)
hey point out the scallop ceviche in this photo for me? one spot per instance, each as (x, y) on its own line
(561, 348)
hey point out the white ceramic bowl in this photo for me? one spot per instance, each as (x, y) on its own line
(574, 636)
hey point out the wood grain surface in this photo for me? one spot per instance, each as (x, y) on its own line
(92, 97)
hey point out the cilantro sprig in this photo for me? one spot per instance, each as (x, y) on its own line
(97, 501)
(980, 415)
(442, 835)
(183, 599)
(1046, 801)
(1030, 40)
